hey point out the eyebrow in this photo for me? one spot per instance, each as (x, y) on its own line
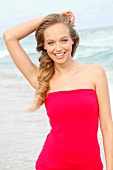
(60, 38)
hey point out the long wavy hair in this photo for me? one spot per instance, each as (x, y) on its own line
(46, 68)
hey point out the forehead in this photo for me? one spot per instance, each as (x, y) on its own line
(56, 31)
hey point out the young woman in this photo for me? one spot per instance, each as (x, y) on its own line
(75, 94)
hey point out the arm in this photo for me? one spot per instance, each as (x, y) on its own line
(106, 123)
(19, 56)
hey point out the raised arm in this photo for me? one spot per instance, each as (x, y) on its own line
(19, 56)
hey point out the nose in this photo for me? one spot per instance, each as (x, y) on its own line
(58, 47)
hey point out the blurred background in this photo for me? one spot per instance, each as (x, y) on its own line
(22, 133)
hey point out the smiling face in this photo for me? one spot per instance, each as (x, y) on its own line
(58, 43)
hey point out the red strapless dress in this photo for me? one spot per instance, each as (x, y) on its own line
(72, 143)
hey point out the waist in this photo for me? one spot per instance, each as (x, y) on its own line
(74, 145)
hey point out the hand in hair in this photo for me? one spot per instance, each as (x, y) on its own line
(70, 15)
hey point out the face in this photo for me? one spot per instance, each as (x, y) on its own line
(58, 43)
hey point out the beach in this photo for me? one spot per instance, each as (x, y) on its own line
(22, 134)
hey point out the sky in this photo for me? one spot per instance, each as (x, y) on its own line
(88, 13)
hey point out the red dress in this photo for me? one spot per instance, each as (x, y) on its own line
(72, 143)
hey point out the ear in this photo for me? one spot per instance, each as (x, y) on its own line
(72, 41)
(45, 47)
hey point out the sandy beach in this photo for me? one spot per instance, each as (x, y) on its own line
(22, 134)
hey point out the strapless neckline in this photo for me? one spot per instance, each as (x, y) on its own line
(71, 91)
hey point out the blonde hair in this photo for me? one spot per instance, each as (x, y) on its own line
(46, 68)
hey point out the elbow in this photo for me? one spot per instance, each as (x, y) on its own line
(9, 37)
(6, 36)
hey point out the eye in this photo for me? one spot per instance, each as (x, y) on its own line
(64, 40)
(50, 43)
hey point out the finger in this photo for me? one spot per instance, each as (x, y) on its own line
(69, 13)
(73, 24)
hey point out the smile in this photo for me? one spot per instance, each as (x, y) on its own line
(59, 55)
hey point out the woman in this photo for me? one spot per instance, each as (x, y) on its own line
(75, 94)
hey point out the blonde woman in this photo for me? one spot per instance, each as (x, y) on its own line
(75, 94)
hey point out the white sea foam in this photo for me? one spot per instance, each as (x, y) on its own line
(4, 53)
(20, 128)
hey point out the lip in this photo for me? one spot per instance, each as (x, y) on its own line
(59, 55)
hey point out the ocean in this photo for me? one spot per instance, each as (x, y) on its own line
(22, 134)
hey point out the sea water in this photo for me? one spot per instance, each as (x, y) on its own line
(22, 134)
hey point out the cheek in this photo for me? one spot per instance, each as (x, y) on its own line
(49, 50)
(68, 47)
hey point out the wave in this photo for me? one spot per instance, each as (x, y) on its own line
(4, 53)
(10, 74)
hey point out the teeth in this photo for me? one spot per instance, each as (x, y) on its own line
(59, 54)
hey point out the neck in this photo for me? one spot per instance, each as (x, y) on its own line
(64, 68)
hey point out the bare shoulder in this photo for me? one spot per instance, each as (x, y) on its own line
(97, 69)
(99, 76)
(97, 72)
(94, 70)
